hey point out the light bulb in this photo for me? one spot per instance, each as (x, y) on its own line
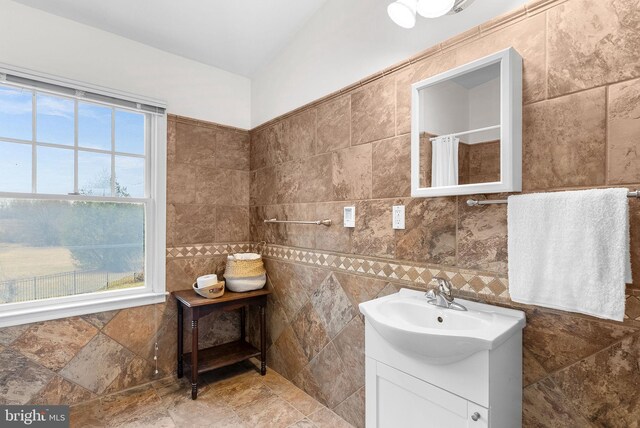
(403, 13)
(434, 8)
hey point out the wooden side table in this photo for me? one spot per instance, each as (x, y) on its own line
(208, 359)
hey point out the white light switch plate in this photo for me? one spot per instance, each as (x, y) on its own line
(349, 216)
(398, 217)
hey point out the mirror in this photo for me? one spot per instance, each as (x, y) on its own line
(466, 129)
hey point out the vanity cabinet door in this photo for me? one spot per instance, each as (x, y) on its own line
(401, 400)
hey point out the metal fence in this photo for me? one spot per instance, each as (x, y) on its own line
(63, 284)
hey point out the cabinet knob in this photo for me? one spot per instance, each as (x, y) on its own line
(475, 416)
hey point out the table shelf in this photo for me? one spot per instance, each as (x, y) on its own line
(222, 355)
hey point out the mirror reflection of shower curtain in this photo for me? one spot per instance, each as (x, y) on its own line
(444, 161)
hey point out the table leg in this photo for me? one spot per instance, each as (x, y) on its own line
(263, 339)
(242, 324)
(194, 358)
(180, 341)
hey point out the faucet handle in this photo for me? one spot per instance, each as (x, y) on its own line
(445, 286)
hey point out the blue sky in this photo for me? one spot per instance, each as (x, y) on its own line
(55, 124)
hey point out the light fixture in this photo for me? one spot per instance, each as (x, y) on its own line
(403, 12)
(435, 8)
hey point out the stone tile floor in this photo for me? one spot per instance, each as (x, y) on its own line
(236, 396)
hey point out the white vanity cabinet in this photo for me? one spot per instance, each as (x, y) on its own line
(402, 400)
(422, 369)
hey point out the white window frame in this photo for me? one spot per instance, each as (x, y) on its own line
(154, 289)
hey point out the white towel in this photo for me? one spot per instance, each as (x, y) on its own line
(570, 250)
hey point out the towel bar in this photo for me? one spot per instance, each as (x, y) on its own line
(325, 222)
(475, 202)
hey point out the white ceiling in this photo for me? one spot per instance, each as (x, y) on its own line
(235, 35)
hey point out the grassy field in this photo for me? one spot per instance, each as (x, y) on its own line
(17, 261)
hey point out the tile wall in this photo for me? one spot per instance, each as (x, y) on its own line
(581, 130)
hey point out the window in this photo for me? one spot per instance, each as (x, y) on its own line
(82, 201)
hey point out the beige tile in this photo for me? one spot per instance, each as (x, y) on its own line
(373, 235)
(171, 224)
(295, 137)
(273, 412)
(592, 43)
(222, 187)
(259, 149)
(9, 334)
(430, 231)
(352, 173)
(310, 331)
(181, 183)
(557, 339)
(171, 141)
(194, 224)
(352, 409)
(98, 364)
(373, 112)
(336, 237)
(61, 391)
(332, 306)
(327, 378)
(87, 415)
(325, 418)
(623, 133)
(54, 343)
(391, 167)
(20, 378)
(263, 186)
(232, 149)
(195, 145)
(299, 235)
(100, 319)
(136, 407)
(137, 372)
(291, 289)
(543, 405)
(207, 410)
(532, 371)
(308, 180)
(564, 141)
(334, 125)
(603, 387)
(350, 345)
(482, 236)
(232, 224)
(359, 288)
(133, 327)
(290, 352)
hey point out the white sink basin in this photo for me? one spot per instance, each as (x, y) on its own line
(439, 335)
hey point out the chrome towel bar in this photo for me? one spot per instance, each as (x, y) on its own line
(325, 222)
(475, 202)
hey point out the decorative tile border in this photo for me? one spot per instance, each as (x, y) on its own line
(209, 250)
(417, 274)
(468, 283)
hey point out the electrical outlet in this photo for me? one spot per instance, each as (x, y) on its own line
(349, 216)
(398, 217)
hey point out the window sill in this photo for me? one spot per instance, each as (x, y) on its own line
(70, 309)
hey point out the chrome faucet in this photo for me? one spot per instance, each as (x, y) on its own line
(442, 297)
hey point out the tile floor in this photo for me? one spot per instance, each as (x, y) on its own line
(236, 396)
